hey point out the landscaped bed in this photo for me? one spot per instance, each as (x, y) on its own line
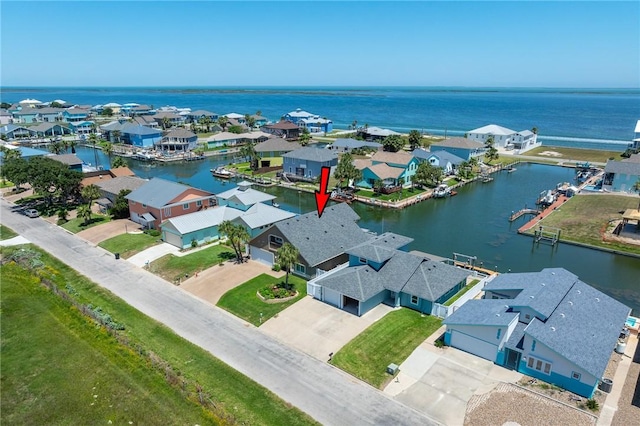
(389, 340)
(244, 302)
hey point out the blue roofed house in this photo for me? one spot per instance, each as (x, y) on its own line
(313, 122)
(381, 271)
(307, 162)
(15, 131)
(141, 136)
(25, 115)
(622, 176)
(389, 167)
(460, 147)
(74, 115)
(547, 324)
(443, 159)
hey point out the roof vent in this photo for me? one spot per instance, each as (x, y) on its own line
(562, 314)
(553, 329)
(579, 292)
(531, 297)
(597, 299)
(570, 303)
(543, 284)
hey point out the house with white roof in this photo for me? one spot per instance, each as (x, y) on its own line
(313, 122)
(547, 324)
(505, 138)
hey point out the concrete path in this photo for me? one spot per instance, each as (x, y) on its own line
(329, 395)
(317, 328)
(440, 381)
(214, 282)
(15, 241)
(152, 253)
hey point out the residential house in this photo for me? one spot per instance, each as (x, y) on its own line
(238, 119)
(145, 120)
(160, 199)
(376, 133)
(50, 129)
(224, 139)
(312, 122)
(381, 271)
(140, 110)
(115, 107)
(275, 147)
(348, 145)
(25, 152)
(307, 162)
(14, 131)
(242, 197)
(74, 115)
(283, 129)
(110, 187)
(71, 160)
(25, 115)
(49, 115)
(140, 136)
(321, 242)
(5, 117)
(392, 168)
(259, 120)
(505, 138)
(196, 116)
(622, 176)
(443, 159)
(178, 140)
(82, 127)
(171, 118)
(547, 324)
(460, 147)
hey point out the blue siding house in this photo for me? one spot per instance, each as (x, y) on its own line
(389, 167)
(307, 162)
(460, 147)
(548, 325)
(621, 176)
(141, 136)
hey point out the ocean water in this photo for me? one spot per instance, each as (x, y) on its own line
(581, 118)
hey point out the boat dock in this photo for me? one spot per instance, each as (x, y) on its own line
(520, 213)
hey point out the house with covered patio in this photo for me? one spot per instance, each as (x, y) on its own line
(181, 140)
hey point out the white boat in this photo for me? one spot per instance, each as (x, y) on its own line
(442, 191)
(222, 173)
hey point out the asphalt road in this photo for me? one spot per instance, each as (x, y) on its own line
(329, 395)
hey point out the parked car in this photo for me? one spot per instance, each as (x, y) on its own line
(31, 213)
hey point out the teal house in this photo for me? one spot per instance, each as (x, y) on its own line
(392, 168)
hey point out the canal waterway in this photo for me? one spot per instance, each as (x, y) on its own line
(474, 223)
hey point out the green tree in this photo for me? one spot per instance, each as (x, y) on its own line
(5, 105)
(72, 144)
(236, 128)
(534, 130)
(206, 122)
(250, 121)
(287, 256)
(249, 152)
(120, 208)
(56, 147)
(84, 212)
(305, 137)
(223, 121)
(14, 167)
(393, 143)
(428, 175)
(55, 104)
(346, 170)
(237, 236)
(415, 139)
(378, 184)
(107, 112)
(51, 178)
(491, 154)
(90, 193)
(465, 170)
(119, 162)
(636, 187)
(166, 123)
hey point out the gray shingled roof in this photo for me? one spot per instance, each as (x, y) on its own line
(423, 154)
(584, 328)
(321, 239)
(117, 184)
(262, 214)
(157, 192)
(482, 312)
(459, 143)
(245, 195)
(68, 159)
(433, 279)
(623, 167)
(311, 154)
(277, 144)
(354, 144)
(516, 340)
(357, 282)
(381, 247)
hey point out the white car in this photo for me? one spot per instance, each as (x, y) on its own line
(31, 213)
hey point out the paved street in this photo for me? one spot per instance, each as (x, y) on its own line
(324, 392)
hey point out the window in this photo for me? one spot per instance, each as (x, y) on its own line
(575, 375)
(363, 260)
(275, 241)
(299, 268)
(499, 333)
(539, 365)
(530, 362)
(185, 206)
(199, 203)
(533, 346)
(167, 211)
(527, 316)
(414, 300)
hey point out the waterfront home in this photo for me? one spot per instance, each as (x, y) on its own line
(14, 131)
(388, 167)
(312, 122)
(182, 140)
(115, 107)
(443, 159)
(259, 120)
(5, 117)
(505, 138)
(200, 114)
(622, 176)
(223, 139)
(238, 119)
(170, 118)
(376, 133)
(321, 242)
(25, 152)
(82, 127)
(160, 199)
(70, 160)
(283, 129)
(50, 129)
(381, 271)
(140, 136)
(349, 144)
(50, 115)
(145, 120)
(307, 162)
(110, 188)
(275, 147)
(140, 110)
(460, 147)
(74, 115)
(25, 115)
(547, 324)
(243, 197)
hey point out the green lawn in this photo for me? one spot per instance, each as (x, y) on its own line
(76, 225)
(462, 291)
(6, 233)
(406, 193)
(389, 340)
(243, 302)
(233, 393)
(6, 184)
(129, 244)
(59, 368)
(172, 267)
(576, 154)
(583, 219)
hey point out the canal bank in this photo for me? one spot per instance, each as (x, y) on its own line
(475, 222)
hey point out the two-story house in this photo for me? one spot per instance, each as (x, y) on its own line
(306, 163)
(392, 168)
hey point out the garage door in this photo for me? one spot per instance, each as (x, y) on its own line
(474, 346)
(260, 255)
(172, 239)
(332, 297)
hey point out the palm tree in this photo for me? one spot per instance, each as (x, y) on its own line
(286, 256)
(107, 148)
(93, 138)
(223, 121)
(116, 135)
(237, 236)
(56, 147)
(305, 137)
(636, 187)
(166, 123)
(72, 144)
(118, 162)
(84, 212)
(90, 193)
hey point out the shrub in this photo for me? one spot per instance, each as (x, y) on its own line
(152, 232)
(194, 243)
(592, 404)
(276, 267)
(439, 343)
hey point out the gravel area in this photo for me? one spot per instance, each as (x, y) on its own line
(510, 403)
(629, 403)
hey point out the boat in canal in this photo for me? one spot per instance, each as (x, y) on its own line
(442, 191)
(221, 173)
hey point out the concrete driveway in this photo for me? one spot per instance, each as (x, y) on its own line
(212, 283)
(441, 381)
(317, 328)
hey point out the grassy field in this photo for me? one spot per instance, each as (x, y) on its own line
(575, 154)
(76, 225)
(171, 267)
(6, 233)
(406, 193)
(243, 302)
(584, 218)
(129, 244)
(232, 392)
(389, 340)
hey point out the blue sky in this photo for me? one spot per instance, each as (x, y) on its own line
(165, 43)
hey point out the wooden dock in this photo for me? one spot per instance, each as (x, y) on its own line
(520, 213)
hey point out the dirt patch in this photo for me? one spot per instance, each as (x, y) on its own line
(554, 154)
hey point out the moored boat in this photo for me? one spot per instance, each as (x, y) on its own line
(222, 173)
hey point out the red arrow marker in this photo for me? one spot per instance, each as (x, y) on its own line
(322, 196)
